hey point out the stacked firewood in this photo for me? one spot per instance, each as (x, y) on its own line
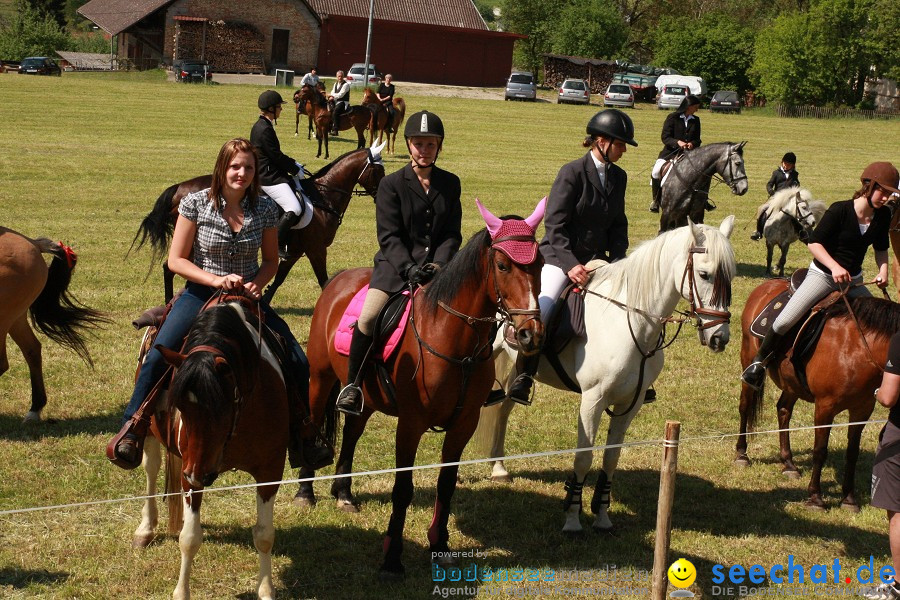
(598, 73)
(230, 47)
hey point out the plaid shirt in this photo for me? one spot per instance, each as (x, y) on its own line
(217, 249)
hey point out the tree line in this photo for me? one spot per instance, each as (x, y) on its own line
(41, 27)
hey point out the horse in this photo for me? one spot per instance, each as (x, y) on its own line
(380, 122)
(330, 189)
(841, 374)
(681, 193)
(305, 108)
(29, 286)
(357, 117)
(226, 408)
(626, 307)
(792, 215)
(441, 370)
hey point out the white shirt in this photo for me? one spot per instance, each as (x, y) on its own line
(686, 118)
(601, 169)
(309, 79)
(340, 90)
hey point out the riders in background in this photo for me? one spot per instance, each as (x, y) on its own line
(418, 216)
(276, 169)
(339, 99)
(680, 132)
(385, 95)
(311, 79)
(218, 238)
(838, 246)
(783, 177)
(584, 220)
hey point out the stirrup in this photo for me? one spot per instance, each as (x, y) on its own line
(531, 386)
(654, 207)
(349, 407)
(751, 377)
(495, 397)
(113, 445)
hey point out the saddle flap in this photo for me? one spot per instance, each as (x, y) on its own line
(763, 322)
(564, 323)
(390, 324)
(797, 278)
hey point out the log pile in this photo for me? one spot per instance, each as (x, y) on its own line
(229, 47)
(597, 73)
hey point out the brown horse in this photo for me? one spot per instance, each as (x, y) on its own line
(305, 108)
(358, 117)
(28, 285)
(841, 374)
(226, 408)
(442, 371)
(380, 122)
(330, 190)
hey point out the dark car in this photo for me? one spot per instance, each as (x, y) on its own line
(192, 71)
(725, 101)
(39, 65)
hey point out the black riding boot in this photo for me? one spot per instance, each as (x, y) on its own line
(288, 220)
(306, 448)
(350, 400)
(335, 119)
(655, 186)
(755, 374)
(526, 366)
(760, 223)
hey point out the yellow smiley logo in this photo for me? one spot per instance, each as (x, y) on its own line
(682, 573)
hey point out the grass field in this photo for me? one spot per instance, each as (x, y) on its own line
(84, 158)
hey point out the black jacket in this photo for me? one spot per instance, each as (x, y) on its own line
(415, 228)
(838, 232)
(674, 131)
(582, 220)
(274, 165)
(779, 182)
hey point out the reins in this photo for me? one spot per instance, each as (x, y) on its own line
(329, 208)
(844, 291)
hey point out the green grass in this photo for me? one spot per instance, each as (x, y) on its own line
(85, 157)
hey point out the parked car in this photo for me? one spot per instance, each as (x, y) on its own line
(619, 94)
(725, 101)
(192, 71)
(575, 91)
(671, 96)
(355, 75)
(521, 86)
(9, 66)
(39, 65)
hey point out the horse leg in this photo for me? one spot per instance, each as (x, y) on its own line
(820, 452)
(785, 408)
(284, 267)
(340, 488)
(499, 474)
(146, 531)
(318, 258)
(360, 136)
(490, 435)
(30, 346)
(615, 435)
(189, 541)
(297, 124)
(319, 136)
(770, 250)
(264, 539)
(407, 441)
(783, 259)
(854, 433)
(588, 421)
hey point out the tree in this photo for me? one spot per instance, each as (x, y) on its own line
(534, 18)
(55, 9)
(30, 33)
(590, 28)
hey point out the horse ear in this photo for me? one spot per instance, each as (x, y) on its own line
(727, 226)
(376, 150)
(170, 356)
(493, 223)
(741, 145)
(535, 219)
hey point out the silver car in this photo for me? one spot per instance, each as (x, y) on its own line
(355, 75)
(619, 94)
(575, 91)
(521, 86)
(671, 96)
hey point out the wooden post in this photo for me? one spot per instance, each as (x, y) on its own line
(664, 509)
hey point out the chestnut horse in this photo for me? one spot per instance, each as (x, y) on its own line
(28, 285)
(442, 370)
(330, 190)
(358, 117)
(380, 122)
(305, 108)
(226, 408)
(841, 374)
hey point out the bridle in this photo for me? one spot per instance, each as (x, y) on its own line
(371, 162)
(798, 220)
(731, 180)
(704, 317)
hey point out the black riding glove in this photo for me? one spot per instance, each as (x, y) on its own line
(421, 275)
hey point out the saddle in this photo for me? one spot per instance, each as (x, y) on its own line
(390, 324)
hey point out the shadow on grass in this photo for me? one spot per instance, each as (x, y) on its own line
(12, 428)
(24, 578)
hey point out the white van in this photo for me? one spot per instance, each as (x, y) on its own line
(695, 84)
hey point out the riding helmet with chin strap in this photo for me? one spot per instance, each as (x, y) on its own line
(424, 124)
(882, 174)
(612, 124)
(268, 100)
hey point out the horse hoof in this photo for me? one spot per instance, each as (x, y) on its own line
(143, 540)
(742, 461)
(304, 501)
(791, 473)
(850, 507)
(814, 505)
(31, 418)
(348, 506)
(502, 478)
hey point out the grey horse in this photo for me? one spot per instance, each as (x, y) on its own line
(682, 195)
(792, 215)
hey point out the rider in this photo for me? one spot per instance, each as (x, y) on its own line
(783, 177)
(276, 169)
(385, 95)
(311, 79)
(419, 221)
(680, 132)
(838, 246)
(585, 219)
(218, 236)
(339, 99)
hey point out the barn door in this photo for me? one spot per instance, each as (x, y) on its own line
(280, 46)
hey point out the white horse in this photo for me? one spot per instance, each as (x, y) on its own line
(626, 306)
(792, 213)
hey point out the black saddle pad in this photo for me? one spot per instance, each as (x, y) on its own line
(389, 318)
(763, 321)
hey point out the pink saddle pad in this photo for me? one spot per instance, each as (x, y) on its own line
(345, 331)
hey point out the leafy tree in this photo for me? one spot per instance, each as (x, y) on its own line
(590, 28)
(536, 19)
(31, 33)
(485, 8)
(53, 8)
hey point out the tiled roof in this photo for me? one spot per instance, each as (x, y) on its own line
(115, 16)
(447, 13)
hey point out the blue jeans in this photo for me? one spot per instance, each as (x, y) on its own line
(178, 324)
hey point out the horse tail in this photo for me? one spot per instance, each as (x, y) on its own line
(400, 105)
(57, 313)
(173, 487)
(157, 226)
(754, 406)
(332, 415)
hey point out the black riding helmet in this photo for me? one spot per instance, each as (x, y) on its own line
(424, 124)
(686, 102)
(613, 124)
(268, 100)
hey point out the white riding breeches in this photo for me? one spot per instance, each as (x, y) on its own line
(553, 282)
(285, 197)
(657, 167)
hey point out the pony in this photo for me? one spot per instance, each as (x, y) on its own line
(226, 408)
(681, 195)
(626, 307)
(29, 286)
(441, 371)
(841, 374)
(792, 215)
(357, 117)
(330, 189)
(380, 121)
(305, 108)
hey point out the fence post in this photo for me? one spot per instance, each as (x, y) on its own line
(664, 509)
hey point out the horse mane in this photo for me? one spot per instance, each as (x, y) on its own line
(875, 315)
(324, 170)
(641, 273)
(783, 198)
(447, 282)
(224, 328)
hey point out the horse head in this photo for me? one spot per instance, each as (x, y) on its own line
(515, 267)
(309, 93)
(373, 172)
(369, 97)
(709, 267)
(733, 171)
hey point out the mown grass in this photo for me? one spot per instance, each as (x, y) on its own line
(84, 158)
